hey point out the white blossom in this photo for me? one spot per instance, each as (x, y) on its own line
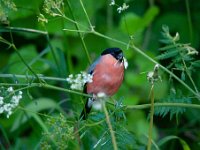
(77, 81)
(7, 107)
(10, 89)
(122, 8)
(112, 2)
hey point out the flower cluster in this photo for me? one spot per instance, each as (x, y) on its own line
(112, 3)
(53, 7)
(122, 8)
(77, 81)
(14, 101)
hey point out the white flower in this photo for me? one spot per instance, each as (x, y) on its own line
(125, 63)
(112, 2)
(122, 8)
(77, 81)
(10, 89)
(8, 114)
(6, 107)
(15, 100)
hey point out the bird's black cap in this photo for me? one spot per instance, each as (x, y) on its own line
(115, 52)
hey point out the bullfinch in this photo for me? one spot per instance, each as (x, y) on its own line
(107, 76)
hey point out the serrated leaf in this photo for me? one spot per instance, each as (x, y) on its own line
(168, 54)
(166, 41)
(172, 110)
(167, 47)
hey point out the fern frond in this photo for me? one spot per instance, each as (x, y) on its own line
(173, 98)
(168, 54)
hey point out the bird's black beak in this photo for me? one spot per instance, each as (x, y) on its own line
(120, 57)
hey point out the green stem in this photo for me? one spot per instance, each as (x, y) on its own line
(86, 15)
(189, 20)
(151, 118)
(186, 69)
(19, 29)
(187, 72)
(145, 106)
(64, 90)
(32, 77)
(52, 50)
(110, 127)
(80, 35)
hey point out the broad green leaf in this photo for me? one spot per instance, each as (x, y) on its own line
(131, 23)
(29, 54)
(32, 109)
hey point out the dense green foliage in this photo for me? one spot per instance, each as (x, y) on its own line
(42, 42)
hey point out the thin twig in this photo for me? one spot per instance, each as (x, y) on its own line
(80, 35)
(151, 118)
(110, 127)
(88, 19)
(32, 77)
(19, 29)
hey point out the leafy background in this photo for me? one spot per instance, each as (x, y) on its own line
(45, 114)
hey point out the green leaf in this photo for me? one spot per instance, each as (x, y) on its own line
(172, 98)
(31, 57)
(183, 75)
(168, 54)
(196, 63)
(132, 24)
(149, 16)
(31, 111)
(172, 137)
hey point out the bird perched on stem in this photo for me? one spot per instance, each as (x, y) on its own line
(108, 74)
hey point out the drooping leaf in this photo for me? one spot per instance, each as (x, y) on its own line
(166, 139)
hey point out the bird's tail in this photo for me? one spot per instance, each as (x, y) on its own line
(86, 110)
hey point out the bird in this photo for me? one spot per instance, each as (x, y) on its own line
(107, 76)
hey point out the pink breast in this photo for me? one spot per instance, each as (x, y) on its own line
(107, 77)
